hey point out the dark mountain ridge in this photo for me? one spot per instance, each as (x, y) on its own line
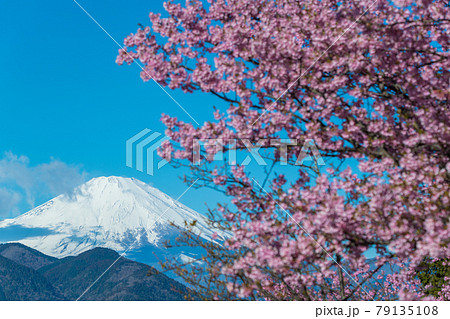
(27, 274)
(25, 256)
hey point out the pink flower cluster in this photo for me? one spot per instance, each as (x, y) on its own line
(380, 94)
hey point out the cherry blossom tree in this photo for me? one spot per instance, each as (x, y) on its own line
(366, 80)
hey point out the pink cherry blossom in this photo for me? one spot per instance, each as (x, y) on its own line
(378, 93)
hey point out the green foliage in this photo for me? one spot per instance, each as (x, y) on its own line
(432, 275)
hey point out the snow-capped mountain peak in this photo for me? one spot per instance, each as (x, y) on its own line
(112, 212)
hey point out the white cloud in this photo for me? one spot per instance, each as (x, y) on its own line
(22, 185)
(8, 202)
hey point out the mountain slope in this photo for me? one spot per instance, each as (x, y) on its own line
(111, 212)
(68, 278)
(18, 282)
(125, 280)
(25, 256)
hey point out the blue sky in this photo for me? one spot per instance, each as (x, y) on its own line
(66, 108)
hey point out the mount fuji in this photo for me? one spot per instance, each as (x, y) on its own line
(122, 214)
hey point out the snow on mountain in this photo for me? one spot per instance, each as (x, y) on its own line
(111, 212)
